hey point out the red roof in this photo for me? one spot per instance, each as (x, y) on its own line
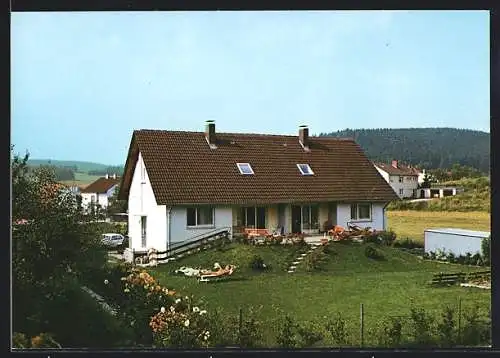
(183, 169)
(400, 170)
(101, 185)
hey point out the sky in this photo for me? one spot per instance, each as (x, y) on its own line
(81, 82)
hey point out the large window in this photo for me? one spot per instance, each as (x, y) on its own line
(310, 217)
(253, 217)
(361, 211)
(200, 216)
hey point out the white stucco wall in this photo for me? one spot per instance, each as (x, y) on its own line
(457, 244)
(102, 198)
(377, 217)
(87, 199)
(179, 231)
(142, 202)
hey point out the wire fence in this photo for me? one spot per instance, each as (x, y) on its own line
(452, 326)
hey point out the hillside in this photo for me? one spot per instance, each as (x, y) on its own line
(476, 197)
(427, 147)
(81, 166)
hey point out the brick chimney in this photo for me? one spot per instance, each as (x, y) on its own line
(304, 136)
(210, 133)
(395, 164)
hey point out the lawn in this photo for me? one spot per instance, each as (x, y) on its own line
(412, 224)
(347, 279)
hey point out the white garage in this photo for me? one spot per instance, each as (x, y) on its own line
(457, 241)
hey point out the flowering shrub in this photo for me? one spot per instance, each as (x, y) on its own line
(181, 325)
(143, 307)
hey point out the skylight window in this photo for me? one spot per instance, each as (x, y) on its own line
(305, 169)
(245, 168)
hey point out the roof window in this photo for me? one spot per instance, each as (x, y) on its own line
(245, 168)
(305, 169)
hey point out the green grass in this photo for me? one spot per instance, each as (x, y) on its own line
(411, 224)
(386, 288)
(82, 179)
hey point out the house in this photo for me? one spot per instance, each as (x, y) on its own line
(100, 191)
(457, 241)
(438, 191)
(403, 179)
(181, 185)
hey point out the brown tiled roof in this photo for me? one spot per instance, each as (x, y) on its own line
(400, 170)
(184, 170)
(101, 185)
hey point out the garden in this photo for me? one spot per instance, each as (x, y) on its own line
(57, 261)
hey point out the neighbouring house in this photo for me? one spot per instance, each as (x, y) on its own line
(403, 179)
(99, 192)
(457, 241)
(184, 185)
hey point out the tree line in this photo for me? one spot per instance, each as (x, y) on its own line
(118, 170)
(430, 148)
(69, 172)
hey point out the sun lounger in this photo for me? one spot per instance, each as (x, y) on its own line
(216, 275)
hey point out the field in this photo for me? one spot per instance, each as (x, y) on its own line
(412, 224)
(81, 179)
(348, 278)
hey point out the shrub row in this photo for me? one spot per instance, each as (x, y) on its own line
(467, 259)
(419, 329)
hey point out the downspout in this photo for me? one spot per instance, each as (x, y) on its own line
(169, 210)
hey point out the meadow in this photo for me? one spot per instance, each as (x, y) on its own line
(411, 224)
(82, 179)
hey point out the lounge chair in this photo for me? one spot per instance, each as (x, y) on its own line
(207, 276)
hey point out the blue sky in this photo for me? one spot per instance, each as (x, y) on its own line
(82, 82)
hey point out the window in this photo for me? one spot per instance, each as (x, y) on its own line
(310, 217)
(201, 216)
(305, 169)
(143, 172)
(400, 191)
(360, 211)
(245, 168)
(400, 179)
(143, 231)
(253, 217)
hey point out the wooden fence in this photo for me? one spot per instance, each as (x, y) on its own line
(442, 278)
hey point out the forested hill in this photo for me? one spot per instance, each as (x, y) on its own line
(430, 148)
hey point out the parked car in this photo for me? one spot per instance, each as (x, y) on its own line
(112, 240)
